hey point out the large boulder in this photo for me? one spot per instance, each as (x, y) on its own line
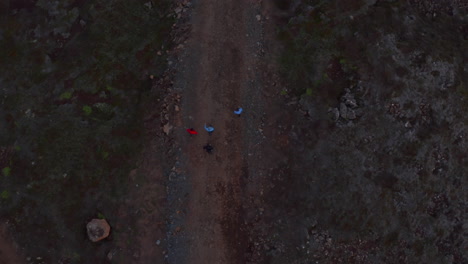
(98, 229)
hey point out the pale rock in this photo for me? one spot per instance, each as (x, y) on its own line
(167, 128)
(343, 110)
(97, 229)
(148, 5)
(351, 102)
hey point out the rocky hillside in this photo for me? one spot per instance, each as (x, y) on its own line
(378, 172)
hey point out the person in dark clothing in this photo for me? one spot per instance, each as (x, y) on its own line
(208, 148)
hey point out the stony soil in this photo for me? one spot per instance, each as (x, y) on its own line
(214, 200)
(369, 167)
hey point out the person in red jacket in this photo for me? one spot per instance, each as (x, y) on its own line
(192, 131)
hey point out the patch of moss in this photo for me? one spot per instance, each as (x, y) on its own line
(6, 171)
(101, 216)
(71, 150)
(5, 194)
(66, 95)
(308, 43)
(87, 109)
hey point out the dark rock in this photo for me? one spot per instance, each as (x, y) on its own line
(343, 111)
(351, 114)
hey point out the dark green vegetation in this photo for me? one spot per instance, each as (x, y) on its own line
(324, 41)
(74, 83)
(311, 44)
(389, 184)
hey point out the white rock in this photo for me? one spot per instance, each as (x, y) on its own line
(148, 5)
(167, 128)
(351, 102)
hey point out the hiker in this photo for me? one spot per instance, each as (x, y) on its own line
(192, 131)
(209, 129)
(208, 148)
(238, 111)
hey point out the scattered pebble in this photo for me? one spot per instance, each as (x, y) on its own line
(167, 128)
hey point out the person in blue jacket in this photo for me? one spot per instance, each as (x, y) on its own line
(238, 111)
(209, 129)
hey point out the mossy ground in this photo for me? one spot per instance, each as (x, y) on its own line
(75, 82)
(386, 187)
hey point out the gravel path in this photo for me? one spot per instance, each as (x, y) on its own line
(218, 72)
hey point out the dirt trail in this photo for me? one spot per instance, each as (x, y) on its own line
(219, 54)
(8, 253)
(200, 200)
(207, 196)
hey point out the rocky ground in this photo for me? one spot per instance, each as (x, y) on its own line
(356, 167)
(377, 170)
(351, 148)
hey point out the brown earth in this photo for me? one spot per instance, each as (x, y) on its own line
(185, 205)
(219, 73)
(222, 65)
(220, 207)
(219, 39)
(239, 204)
(8, 250)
